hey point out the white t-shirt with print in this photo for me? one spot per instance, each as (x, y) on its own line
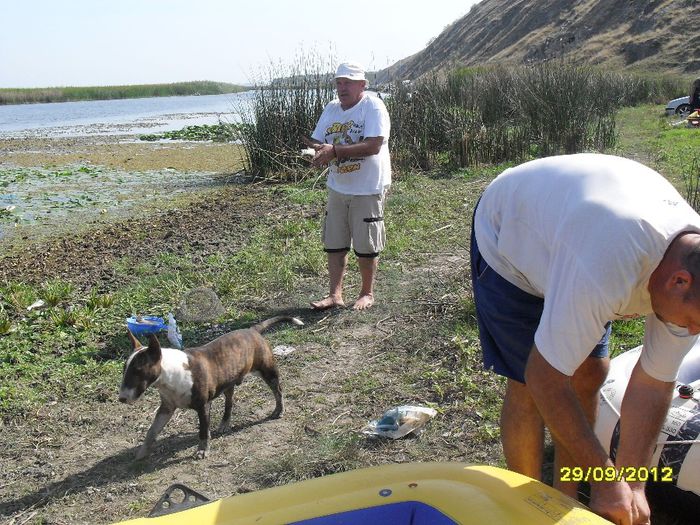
(368, 118)
(585, 232)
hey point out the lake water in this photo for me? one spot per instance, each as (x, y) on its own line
(123, 116)
(36, 198)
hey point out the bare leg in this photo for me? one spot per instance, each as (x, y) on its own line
(522, 431)
(368, 270)
(586, 382)
(337, 262)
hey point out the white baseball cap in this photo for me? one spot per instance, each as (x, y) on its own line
(350, 71)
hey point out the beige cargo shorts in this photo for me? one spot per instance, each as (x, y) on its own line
(354, 220)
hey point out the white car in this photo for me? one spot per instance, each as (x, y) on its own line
(678, 106)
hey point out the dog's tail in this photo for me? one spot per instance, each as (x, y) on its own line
(261, 327)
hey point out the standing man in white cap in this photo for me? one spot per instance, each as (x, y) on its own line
(352, 139)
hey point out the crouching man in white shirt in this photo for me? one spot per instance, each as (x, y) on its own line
(560, 247)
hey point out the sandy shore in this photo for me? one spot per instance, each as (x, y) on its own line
(120, 152)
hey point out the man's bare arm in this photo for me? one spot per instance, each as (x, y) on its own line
(562, 413)
(643, 411)
(327, 152)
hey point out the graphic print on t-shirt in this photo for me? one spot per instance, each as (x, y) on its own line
(342, 133)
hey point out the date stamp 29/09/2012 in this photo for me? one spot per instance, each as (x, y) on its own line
(629, 474)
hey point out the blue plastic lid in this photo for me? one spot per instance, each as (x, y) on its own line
(145, 324)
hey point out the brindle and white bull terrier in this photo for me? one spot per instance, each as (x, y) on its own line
(192, 378)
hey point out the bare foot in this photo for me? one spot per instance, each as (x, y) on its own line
(326, 303)
(363, 302)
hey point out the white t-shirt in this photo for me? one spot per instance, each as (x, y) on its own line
(585, 232)
(368, 118)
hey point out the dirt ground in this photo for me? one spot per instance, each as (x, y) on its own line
(73, 462)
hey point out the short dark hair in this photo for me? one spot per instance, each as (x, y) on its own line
(690, 260)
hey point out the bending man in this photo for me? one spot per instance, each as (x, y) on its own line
(560, 247)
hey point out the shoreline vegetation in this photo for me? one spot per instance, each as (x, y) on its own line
(73, 94)
(460, 118)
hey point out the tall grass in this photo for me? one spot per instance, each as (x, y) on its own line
(466, 117)
(285, 108)
(70, 94)
(650, 88)
(492, 115)
(692, 183)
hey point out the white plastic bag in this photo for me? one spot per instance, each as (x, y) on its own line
(174, 335)
(283, 350)
(400, 421)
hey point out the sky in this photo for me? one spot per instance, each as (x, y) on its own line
(50, 43)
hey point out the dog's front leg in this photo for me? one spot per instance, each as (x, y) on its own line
(163, 415)
(203, 413)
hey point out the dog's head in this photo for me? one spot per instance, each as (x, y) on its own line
(141, 369)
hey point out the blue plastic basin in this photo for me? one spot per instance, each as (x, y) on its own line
(147, 324)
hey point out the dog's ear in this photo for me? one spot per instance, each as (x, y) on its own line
(154, 346)
(135, 343)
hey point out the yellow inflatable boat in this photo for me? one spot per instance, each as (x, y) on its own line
(411, 493)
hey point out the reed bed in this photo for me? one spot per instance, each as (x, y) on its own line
(476, 116)
(72, 94)
(463, 118)
(691, 182)
(649, 88)
(283, 110)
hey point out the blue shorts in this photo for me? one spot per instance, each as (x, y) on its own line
(507, 318)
